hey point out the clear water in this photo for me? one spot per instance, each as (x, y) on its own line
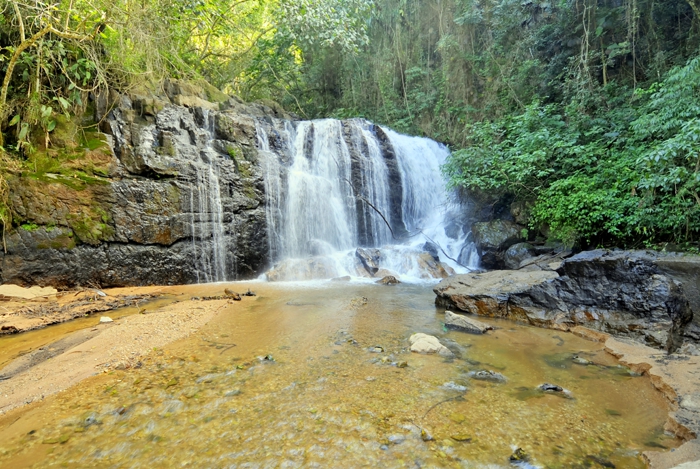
(327, 396)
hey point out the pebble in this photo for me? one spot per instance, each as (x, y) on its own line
(104, 319)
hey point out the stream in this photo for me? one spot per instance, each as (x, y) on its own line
(318, 374)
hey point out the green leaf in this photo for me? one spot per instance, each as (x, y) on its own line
(51, 125)
(64, 102)
(14, 120)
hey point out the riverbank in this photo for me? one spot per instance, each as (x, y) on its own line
(42, 366)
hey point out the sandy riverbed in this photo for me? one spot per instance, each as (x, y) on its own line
(121, 344)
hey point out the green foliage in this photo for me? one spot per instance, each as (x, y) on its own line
(626, 176)
(29, 226)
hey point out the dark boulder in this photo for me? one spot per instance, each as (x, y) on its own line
(493, 238)
(624, 293)
(517, 253)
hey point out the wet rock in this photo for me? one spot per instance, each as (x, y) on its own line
(424, 343)
(461, 437)
(8, 330)
(431, 268)
(425, 436)
(376, 349)
(519, 455)
(230, 294)
(381, 273)
(622, 293)
(388, 280)
(493, 238)
(369, 258)
(547, 387)
(555, 389)
(464, 323)
(518, 253)
(105, 319)
(487, 375)
(401, 364)
(249, 293)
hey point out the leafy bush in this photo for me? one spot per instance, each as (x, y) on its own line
(626, 177)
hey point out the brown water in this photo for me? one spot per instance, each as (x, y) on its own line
(301, 388)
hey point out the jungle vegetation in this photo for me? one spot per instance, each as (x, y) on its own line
(585, 111)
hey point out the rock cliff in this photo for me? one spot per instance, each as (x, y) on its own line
(170, 192)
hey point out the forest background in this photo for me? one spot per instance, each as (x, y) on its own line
(586, 113)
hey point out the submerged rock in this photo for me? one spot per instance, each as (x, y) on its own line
(424, 343)
(452, 386)
(581, 361)
(487, 375)
(104, 319)
(466, 324)
(519, 455)
(555, 389)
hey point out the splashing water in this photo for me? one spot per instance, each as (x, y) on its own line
(332, 186)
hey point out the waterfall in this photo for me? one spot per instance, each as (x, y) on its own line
(332, 186)
(209, 241)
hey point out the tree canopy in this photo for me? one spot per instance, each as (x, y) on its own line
(583, 110)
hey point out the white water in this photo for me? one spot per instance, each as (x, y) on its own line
(328, 191)
(209, 241)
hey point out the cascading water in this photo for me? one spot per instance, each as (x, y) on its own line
(209, 241)
(332, 186)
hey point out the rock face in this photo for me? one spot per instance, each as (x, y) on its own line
(492, 240)
(623, 293)
(179, 198)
